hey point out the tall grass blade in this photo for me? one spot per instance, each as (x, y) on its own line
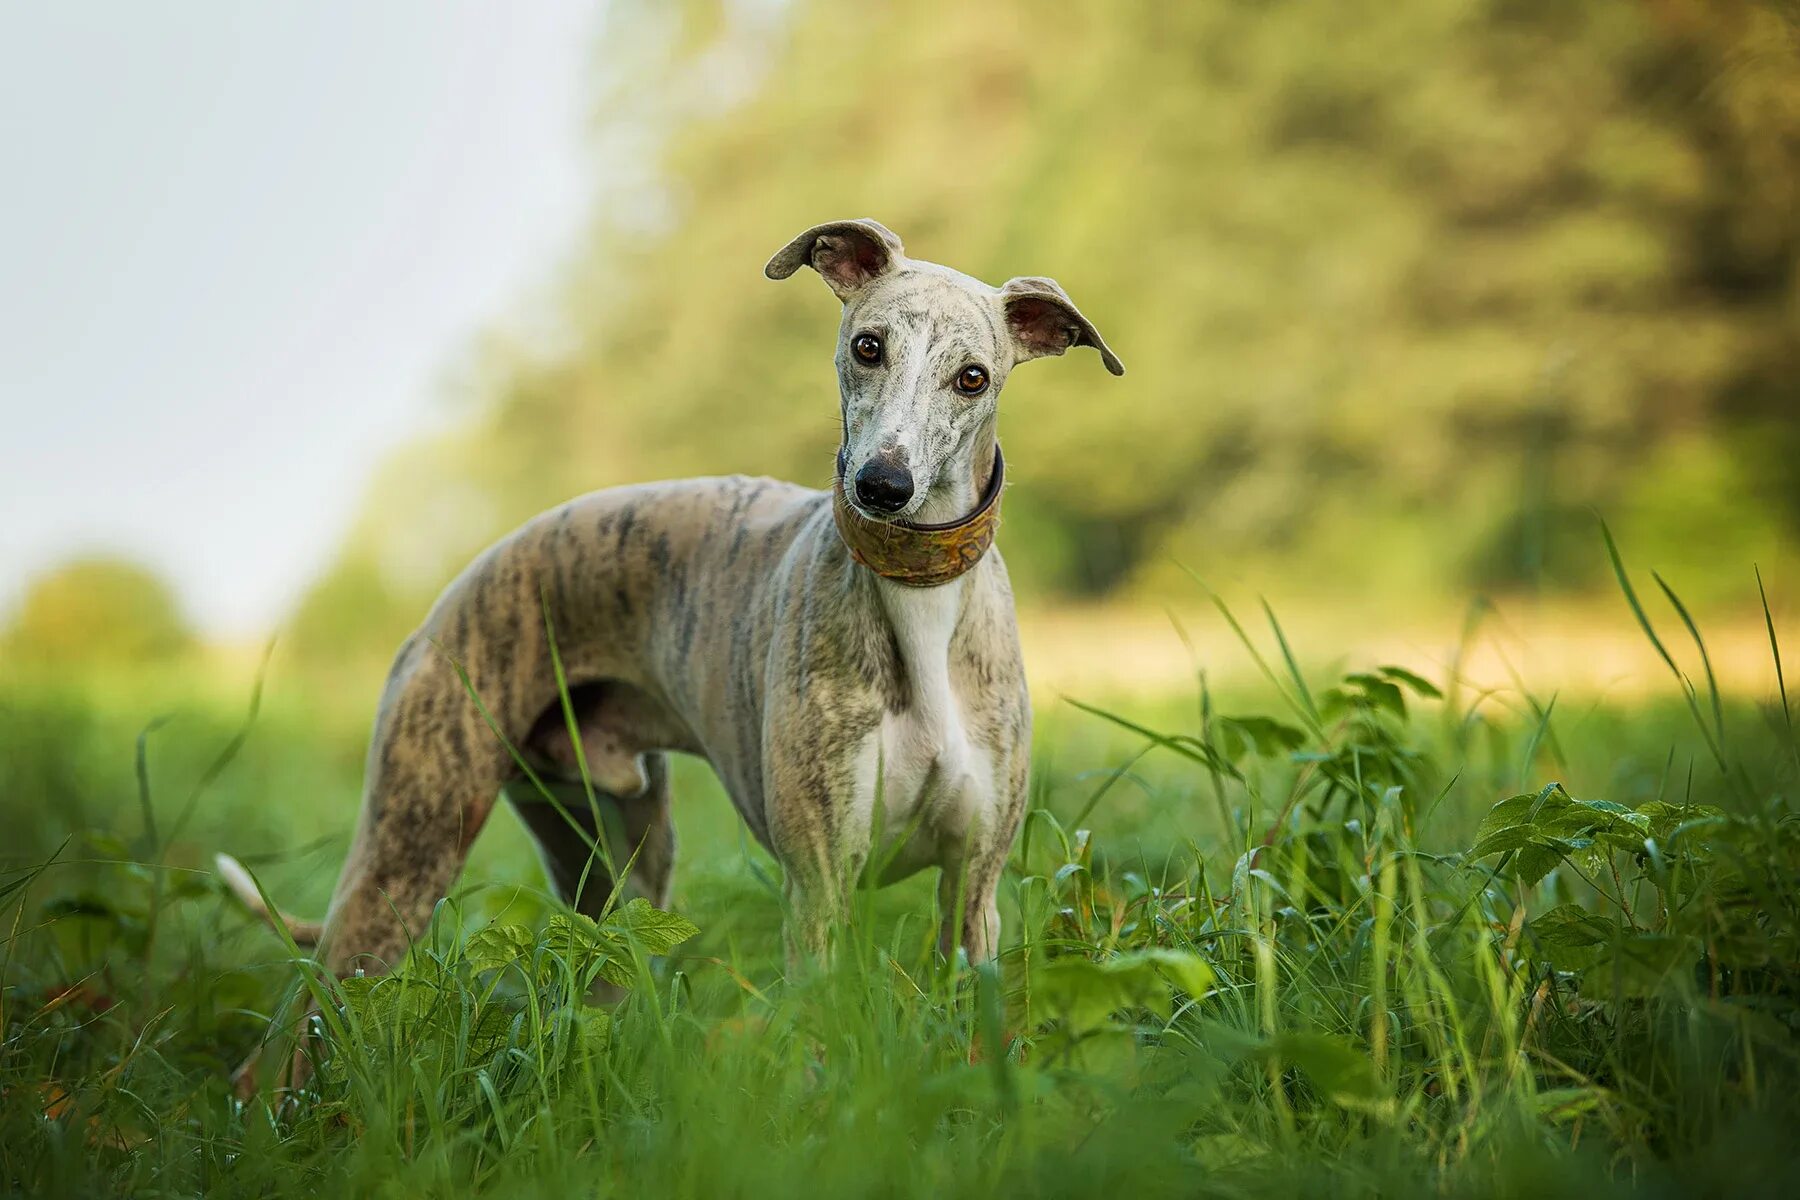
(1712, 683)
(1293, 667)
(1643, 619)
(602, 842)
(1787, 712)
(1301, 708)
(1637, 609)
(140, 761)
(232, 748)
(1182, 744)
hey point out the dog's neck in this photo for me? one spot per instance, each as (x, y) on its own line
(924, 620)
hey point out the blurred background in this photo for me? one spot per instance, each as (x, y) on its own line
(304, 303)
(301, 308)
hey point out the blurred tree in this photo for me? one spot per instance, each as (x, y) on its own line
(100, 610)
(1406, 289)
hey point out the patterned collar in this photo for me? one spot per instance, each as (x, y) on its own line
(920, 555)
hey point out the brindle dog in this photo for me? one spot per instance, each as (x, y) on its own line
(844, 699)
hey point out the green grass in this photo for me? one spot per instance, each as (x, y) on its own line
(1318, 938)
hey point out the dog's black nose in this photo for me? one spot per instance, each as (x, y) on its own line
(884, 485)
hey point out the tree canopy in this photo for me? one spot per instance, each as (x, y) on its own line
(1408, 290)
(96, 610)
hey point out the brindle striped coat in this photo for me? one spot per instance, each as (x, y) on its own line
(725, 618)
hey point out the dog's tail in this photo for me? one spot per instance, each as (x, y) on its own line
(305, 933)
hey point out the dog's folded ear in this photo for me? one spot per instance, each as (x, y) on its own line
(1043, 320)
(848, 254)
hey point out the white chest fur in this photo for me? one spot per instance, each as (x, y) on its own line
(931, 778)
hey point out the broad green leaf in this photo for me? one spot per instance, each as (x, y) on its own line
(1085, 993)
(1267, 736)
(617, 969)
(1527, 809)
(1569, 937)
(1419, 685)
(1538, 827)
(1185, 969)
(1667, 821)
(498, 946)
(1592, 858)
(658, 932)
(595, 1030)
(1533, 863)
(1080, 993)
(1611, 809)
(1512, 837)
(1339, 1069)
(586, 947)
(1379, 693)
(573, 931)
(1600, 816)
(385, 1004)
(1334, 702)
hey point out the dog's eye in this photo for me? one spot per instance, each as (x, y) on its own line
(867, 347)
(972, 381)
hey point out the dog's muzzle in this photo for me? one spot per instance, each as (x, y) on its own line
(921, 555)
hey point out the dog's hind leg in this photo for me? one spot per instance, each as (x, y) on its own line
(638, 830)
(624, 736)
(435, 771)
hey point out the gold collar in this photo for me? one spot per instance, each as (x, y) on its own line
(921, 555)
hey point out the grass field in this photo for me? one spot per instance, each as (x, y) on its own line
(1365, 935)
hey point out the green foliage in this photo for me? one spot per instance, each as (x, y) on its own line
(1331, 963)
(505, 989)
(1083, 993)
(96, 611)
(1406, 290)
(1710, 874)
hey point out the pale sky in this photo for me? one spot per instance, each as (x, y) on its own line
(242, 247)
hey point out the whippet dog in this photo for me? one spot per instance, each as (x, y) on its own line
(847, 661)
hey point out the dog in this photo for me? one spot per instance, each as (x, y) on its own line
(846, 660)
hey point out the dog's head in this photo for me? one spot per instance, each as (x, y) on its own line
(922, 354)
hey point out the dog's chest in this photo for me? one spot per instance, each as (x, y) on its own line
(931, 777)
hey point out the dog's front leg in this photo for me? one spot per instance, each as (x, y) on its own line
(968, 902)
(811, 911)
(969, 885)
(817, 826)
(821, 866)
